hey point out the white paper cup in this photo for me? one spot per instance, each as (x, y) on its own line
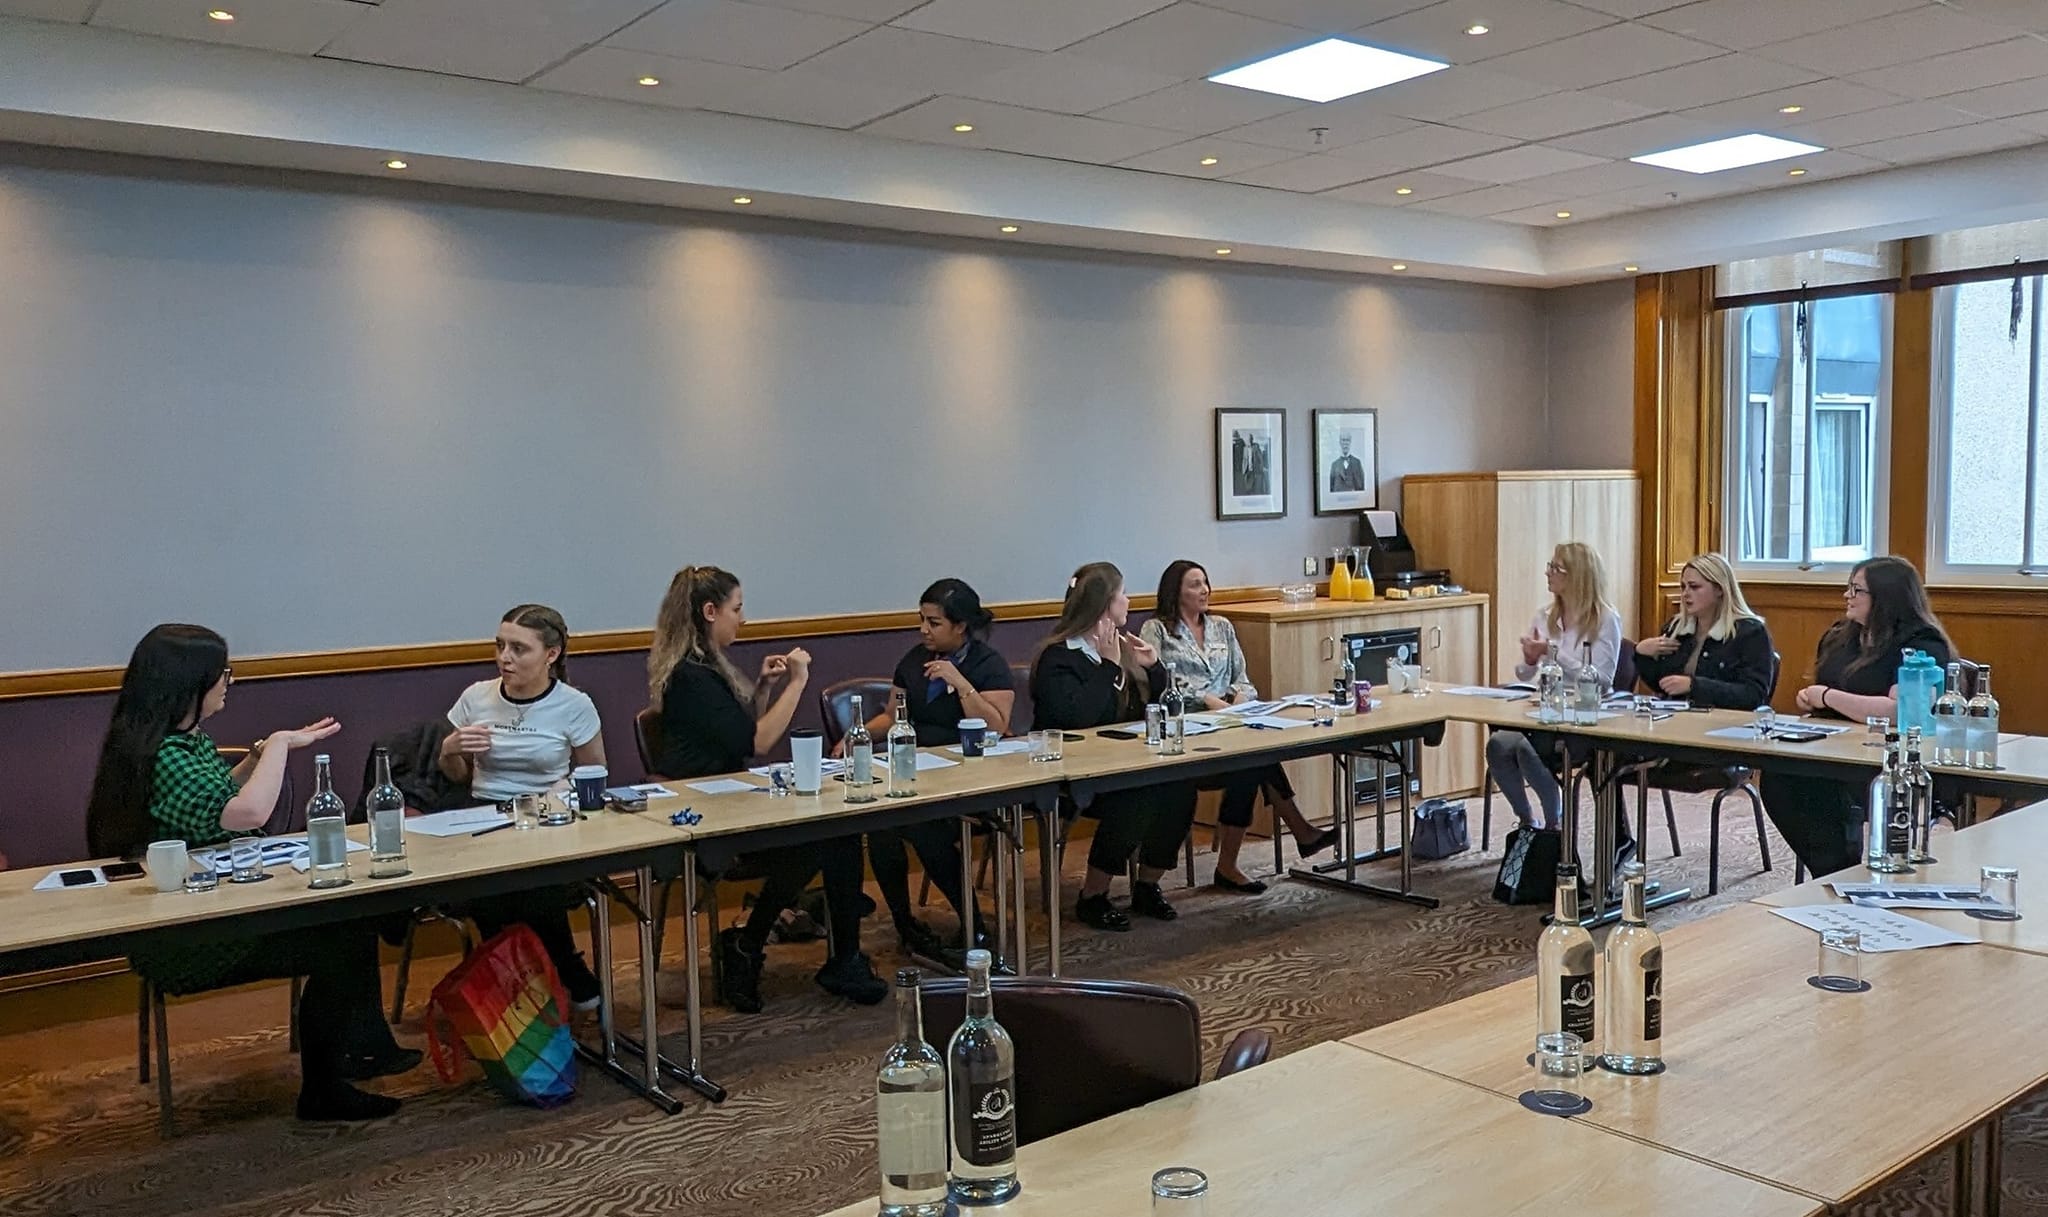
(167, 863)
(807, 753)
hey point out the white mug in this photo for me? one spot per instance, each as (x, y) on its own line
(807, 752)
(167, 863)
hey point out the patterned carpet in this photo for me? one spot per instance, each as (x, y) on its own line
(78, 1135)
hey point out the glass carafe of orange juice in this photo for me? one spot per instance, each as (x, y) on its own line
(1361, 575)
(1340, 574)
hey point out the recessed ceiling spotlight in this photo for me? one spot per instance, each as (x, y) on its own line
(1564, 215)
(1209, 160)
(1795, 173)
(1328, 70)
(649, 81)
(743, 200)
(1404, 190)
(1475, 30)
(219, 14)
(1009, 228)
(962, 128)
(394, 163)
(1223, 251)
(1400, 266)
(1631, 269)
(1790, 109)
(1734, 152)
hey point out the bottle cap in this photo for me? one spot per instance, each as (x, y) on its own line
(978, 959)
(320, 759)
(907, 978)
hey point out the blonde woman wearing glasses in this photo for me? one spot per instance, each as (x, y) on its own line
(1578, 613)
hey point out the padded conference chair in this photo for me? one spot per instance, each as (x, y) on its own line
(1087, 1049)
(1722, 780)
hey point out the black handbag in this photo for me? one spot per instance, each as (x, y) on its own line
(1528, 867)
(1439, 830)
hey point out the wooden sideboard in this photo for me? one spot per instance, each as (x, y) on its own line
(1291, 648)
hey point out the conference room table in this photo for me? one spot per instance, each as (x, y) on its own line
(1332, 1131)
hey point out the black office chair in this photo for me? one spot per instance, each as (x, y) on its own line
(1722, 780)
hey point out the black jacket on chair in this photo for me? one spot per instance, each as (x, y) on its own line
(416, 769)
(1733, 673)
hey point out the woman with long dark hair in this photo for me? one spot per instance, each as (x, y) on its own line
(1855, 676)
(161, 777)
(713, 719)
(1201, 653)
(1090, 673)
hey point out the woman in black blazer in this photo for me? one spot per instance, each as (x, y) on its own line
(1716, 652)
(1090, 673)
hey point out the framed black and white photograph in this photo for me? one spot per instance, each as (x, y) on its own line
(1251, 464)
(1347, 460)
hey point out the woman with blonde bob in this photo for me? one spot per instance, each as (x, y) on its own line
(1716, 651)
(1579, 612)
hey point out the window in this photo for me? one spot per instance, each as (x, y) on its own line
(1803, 384)
(1990, 517)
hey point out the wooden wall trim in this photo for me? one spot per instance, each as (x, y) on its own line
(1911, 430)
(1677, 427)
(64, 681)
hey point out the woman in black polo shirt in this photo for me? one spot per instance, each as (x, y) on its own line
(712, 720)
(1885, 612)
(953, 673)
(1090, 673)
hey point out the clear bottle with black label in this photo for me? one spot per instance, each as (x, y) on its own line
(1340, 685)
(981, 1097)
(1879, 838)
(1565, 963)
(1950, 710)
(1634, 992)
(1980, 724)
(910, 1113)
(1919, 786)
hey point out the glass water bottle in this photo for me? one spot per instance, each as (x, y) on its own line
(1634, 993)
(385, 808)
(860, 756)
(1565, 963)
(1980, 724)
(981, 1094)
(910, 1112)
(1878, 836)
(326, 830)
(1951, 712)
(902, 751)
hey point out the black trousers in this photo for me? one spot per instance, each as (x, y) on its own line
(1821, 819)
(1241, 792)
(341, 1009)
(545, 911)
(938, 849)
(786, 872)
(1148, 824)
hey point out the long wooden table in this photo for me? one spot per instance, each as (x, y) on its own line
(1333, 1132)
(1823, 1093)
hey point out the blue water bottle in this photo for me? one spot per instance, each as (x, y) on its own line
(1919, 685)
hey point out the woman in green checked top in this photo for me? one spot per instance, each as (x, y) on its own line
(160, 777)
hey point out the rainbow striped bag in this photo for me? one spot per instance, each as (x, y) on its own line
(506, 1007)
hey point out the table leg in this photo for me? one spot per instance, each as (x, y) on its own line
(691, 1073)
(1017, 820)
(1347, 810)
(999, 863)
(1049, 876)
(968, 896)
(1994, 1166)
(646, 1082)
(1962, 1198)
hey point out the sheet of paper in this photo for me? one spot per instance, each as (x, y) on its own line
(1008, 747)
(1488, 691)
(1801, 724)
(723, 786)
(456, 823)
(54, 882)
(1254, 707)
(925, 760)
(652, 790)
(1958, 896)
(1601, 714)
(831, 767)
(1882, 929)
(277, 851)
(1195, 726)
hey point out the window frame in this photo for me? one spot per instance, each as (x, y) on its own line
(1941, 408)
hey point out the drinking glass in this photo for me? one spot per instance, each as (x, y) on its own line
(1155, 725)
(525, 811)
(1841, 962)
(1179, 1191)
(1560, 1063)
(781, 780)
(1874, 731)
(1644, 706)
(1048, 746)
(245, 855)
(2001, 886)
(200, 875)
(1766, 717)
(1325, 712)
(555, 810)
(991, 739)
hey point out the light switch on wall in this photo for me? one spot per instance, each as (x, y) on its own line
(1311, 566)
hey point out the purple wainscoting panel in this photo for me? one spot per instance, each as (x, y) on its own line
(51, 744)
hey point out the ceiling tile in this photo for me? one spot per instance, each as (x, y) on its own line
(1039, 25)
(1644, 135)
(887, 57)
(441, 35)
(1069, 137)
(1320, 16)
(1070, 84)
(1557, 114)
(2003, 101)
(801, 95)
(1819, 166)
(1441, 96)
(1185, 160)
(1706, 82)
(874, 12)
(1941, 145)
(1900, 38)
(2030, 122)
(1544, 215)
(1438, 31)
(1906, 118)
(297, 27)
(1612, 53)
(1960, 71)
(1198, 107)
(604, 71)
(47, 10)
(1491, 201)
(1420, 147)
(1421, 186)
(1744, 24)
(1337, 124)
(1188, 39)
(1818, 99)
(1629, 9)
(1603, 178)
(2019, 14)
(722, 31)
(1307, 174)
(1516, 164)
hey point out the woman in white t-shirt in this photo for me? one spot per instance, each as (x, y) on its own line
(520, 734)
(1579, 612)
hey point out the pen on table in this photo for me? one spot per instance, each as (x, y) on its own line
(1263, 727)
(483, 832)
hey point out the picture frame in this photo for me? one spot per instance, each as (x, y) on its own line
(1346, 464)
(1251, 464)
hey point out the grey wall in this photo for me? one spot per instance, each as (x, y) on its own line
(315, 415)
(1590, 337)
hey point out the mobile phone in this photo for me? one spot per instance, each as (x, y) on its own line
(77, 878)
(1798, 737)
(1114, 733)
(117, 871)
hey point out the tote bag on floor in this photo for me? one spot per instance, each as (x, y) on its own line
(1528, 867)
(506, 1008)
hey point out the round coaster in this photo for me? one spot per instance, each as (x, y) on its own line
(1601, 1061)
(1555, 1103)
(1990, 915)
(1838, 984)
(258, 878)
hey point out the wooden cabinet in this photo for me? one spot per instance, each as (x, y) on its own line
(1291, 648)
(1495, 531)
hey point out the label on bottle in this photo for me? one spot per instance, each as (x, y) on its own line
(902, 764)
(912, 1125)
(1898, 829)
(985, 1123)
(860, 768)
(1575, 1001)
(1653, 999)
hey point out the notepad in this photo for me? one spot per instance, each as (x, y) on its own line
(456, 823)
(722, 786)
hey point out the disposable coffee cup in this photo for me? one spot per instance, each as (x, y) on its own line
(972, 733)
(589, 780)
(167, 863)
(807, 754)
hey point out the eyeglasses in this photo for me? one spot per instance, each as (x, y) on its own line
(1556, 568)
(1853, 592)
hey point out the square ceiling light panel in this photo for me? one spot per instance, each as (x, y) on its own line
(1732, 153)
(1328, 70)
